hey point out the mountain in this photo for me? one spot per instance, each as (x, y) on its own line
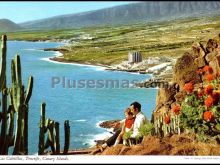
(131, 13)
(8, 26)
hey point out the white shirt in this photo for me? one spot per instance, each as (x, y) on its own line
(139, 120)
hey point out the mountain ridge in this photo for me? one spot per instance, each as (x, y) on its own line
(129, 13)
(7, 25)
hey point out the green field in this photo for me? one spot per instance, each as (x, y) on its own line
(111, 44)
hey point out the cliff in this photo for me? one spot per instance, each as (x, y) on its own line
(198, 67)
(186, 70)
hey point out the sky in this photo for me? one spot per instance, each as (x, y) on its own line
(22, 11)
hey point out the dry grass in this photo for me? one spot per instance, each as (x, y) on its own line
(174, 145)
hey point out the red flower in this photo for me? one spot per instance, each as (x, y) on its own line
(167, 119)
(176, 109)
(209, 88)
(188, 87)
(208, 69)
(209, 77)
(200, 93)
(209, 101)
(208, 116)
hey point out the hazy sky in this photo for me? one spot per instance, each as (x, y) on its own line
(26, 11)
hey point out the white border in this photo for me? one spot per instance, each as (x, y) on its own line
(116, 159)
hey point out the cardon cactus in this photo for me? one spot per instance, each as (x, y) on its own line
(51, 128)
(20, 99)
(18, 104)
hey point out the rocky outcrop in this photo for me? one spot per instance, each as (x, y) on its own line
(165, 97)
(108, 124)
(186, 70)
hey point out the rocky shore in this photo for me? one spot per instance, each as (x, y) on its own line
(107, 124)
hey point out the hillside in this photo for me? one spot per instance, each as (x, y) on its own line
(110, 44)
(131, 13)
(8, 26)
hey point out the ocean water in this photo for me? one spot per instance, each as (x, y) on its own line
(84, 107)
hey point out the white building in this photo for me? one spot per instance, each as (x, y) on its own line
(134, 57)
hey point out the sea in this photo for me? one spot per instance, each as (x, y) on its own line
(83, 94)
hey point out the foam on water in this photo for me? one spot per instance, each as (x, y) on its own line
(34, 50)
(80, 120)
(97, 68)
(91, 139)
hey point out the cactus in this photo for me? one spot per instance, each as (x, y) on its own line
(19, 99)
(51, 128)
(51, 136)
(3, 62)
(67, 137)
(57, 138)
(3, 88)
(4, 127)
(42, 130)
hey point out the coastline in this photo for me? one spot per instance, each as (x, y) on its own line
(61, 60)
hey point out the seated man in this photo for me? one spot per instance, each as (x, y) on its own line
(140, 119)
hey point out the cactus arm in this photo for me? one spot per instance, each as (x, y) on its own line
(67, 137)
(14, 95)
(29, 90)
(57, 138)
(18, 133)
(11, 125)
(4, 127)
(42, 130)
(3, 62)
(25, 109)
(18, 70)
(51, 136)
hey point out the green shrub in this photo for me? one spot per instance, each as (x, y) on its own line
(146, 129)
(127, 135)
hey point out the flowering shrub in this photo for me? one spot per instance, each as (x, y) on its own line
(200, 110)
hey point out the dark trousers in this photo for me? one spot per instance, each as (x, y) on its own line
(112, 139)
